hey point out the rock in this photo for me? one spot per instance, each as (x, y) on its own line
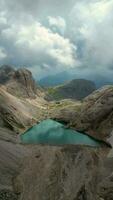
(8, 195)
(106, 188)
(22, 84)
(11, 155)
(24, 77)
(59, 173)
(94, 116)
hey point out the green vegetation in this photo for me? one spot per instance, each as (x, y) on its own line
(75, 89)
(54, 93)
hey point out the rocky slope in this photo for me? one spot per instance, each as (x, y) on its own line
(42, 172)
(75, 89)
(93, 115)
(18, 114)
(60, 173)
(21, 101)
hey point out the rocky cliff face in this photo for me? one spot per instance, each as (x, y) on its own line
(24, 83)
(19, 82)
(42, 172)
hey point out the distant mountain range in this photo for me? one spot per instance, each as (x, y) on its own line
(55, 79)
(63, 77)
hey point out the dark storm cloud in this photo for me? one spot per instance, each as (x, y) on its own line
(48, 34)
(26, 41)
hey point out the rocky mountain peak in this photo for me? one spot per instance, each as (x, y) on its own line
(19, 82)
(25, 79)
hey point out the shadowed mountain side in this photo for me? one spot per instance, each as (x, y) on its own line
(75, 89)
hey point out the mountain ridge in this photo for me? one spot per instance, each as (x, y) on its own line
(74, 89)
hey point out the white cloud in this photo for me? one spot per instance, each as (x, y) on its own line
(93, 25)
(34, 44)
(57, 23)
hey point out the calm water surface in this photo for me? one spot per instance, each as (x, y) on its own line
(55, 133)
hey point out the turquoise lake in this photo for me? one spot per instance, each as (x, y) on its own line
(55, 133)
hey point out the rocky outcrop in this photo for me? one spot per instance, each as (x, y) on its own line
(19, 82)
(23, 84)
(75, 89)
(94, 115)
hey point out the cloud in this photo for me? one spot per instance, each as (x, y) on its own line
(40, 43)
(49, 35)
(40, 8)
(57, 24)
(33, 44)
(93, 26)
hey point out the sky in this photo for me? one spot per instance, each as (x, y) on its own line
(49, 36)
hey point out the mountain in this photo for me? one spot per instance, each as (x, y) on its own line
(56, 79)
(19, 82)
(75, 89)
(39, 172)
(21, 100)
(94, 114)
